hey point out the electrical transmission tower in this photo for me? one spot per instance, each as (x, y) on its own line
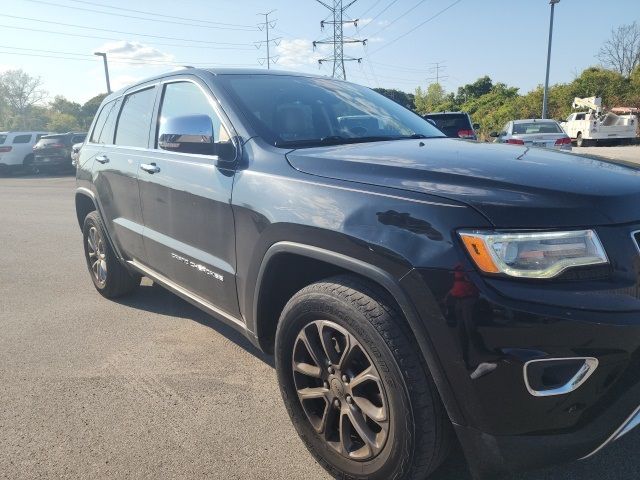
(337, 12)
(266, 26)
(437, 66)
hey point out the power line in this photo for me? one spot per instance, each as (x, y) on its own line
(158, 14)
(112, 58)
(379, 13)
(338, 10)
(398, 18)
(391, 42)
(375, 4)
(436, 68)
(140, 18)
(119, 31)
(79, 35)
(266, 25)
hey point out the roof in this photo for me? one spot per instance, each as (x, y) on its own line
(215, 71)
(535, 120)
(446, 113)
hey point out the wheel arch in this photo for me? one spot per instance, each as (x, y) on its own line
(267, 306)
(85, 203)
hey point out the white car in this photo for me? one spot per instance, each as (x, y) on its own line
(16, 150)
(534, 132)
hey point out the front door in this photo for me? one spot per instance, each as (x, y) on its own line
(189, 233)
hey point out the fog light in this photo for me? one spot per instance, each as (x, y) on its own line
(557, 376)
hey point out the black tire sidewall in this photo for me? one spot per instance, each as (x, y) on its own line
(92, 221)
(399, 445)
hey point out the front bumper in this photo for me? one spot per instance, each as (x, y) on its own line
(484, 337)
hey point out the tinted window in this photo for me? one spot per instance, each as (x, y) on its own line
(580, 116)
(451, 124)
(291, 111)
(100, 121)
(39, 136)
(185, 98)
(536, 128)
(135, 119)
(78, 138)
(51, 140)
(22, 139)
(3, 137)
(109, 129)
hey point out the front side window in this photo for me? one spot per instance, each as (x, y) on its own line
(135, 119)
(22, 139)
(292, 111)
(183, 99)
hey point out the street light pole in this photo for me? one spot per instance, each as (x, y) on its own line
(545, 99)
(106, 69)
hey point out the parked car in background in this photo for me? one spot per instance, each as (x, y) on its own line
(16, 150)
(409, 285)
(53, 152)
(454, 124)
(534, 133)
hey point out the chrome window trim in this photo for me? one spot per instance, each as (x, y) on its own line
(634, 240)
(583, 374)
(629, 424)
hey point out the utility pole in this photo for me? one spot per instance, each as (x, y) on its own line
(266, 26)
(545, 99)
(106, 69)
(337, 11)
(437, 66)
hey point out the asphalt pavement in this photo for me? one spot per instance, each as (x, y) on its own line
(149, 386)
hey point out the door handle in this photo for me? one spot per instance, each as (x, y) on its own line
(102, 159)
(150, 168)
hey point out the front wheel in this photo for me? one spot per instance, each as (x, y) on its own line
(109, 276)
(355, 385)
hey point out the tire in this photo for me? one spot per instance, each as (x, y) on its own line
(27, 165)
(580, 142)
(109, 276)
(408, 429)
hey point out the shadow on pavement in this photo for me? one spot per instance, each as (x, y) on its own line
(156, 299)
(619, 461)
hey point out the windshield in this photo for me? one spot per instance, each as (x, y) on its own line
(51, 139)
(451, 123)
(290, 111)
(535, 128)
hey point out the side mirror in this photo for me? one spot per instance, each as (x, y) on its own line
(193, 134)
(494, 134)
(476, 126)
(188, 134)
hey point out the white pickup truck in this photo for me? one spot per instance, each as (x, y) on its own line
(589, 128)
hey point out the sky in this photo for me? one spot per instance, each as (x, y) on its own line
(507, 40)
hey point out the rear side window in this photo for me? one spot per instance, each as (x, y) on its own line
(109, 129)
(100, 121)
(3, 138)
(22, 139)
(135, 119)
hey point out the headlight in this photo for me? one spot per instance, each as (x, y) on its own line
(533, 255)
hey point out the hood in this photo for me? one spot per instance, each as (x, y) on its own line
(513, 186)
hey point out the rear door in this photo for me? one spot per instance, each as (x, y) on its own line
(189, 233)
(124, 140)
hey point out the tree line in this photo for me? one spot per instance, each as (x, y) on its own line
(24, 105)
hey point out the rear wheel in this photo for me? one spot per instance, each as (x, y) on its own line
(355, 385)
(109, 276)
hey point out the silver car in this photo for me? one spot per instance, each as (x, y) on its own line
(534, 133)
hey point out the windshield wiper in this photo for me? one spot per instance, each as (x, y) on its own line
(340, 140)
